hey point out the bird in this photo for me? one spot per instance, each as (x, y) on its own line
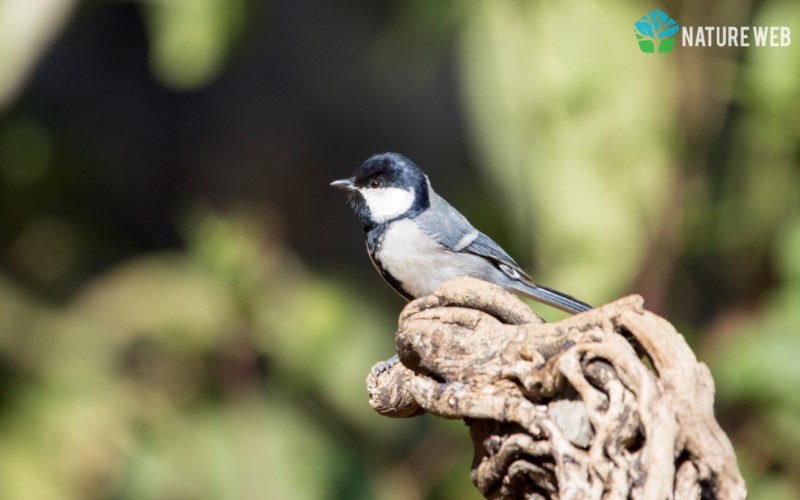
(417, 241)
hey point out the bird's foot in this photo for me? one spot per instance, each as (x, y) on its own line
(384, 366)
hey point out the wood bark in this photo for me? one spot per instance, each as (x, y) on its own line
(610, 403)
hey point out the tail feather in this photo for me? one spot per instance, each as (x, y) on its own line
(551, 297)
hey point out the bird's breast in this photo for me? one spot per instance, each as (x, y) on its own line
(420, 263)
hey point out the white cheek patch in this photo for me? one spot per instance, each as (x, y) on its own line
(387, 203)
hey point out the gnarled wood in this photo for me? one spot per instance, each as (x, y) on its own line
(610, 403)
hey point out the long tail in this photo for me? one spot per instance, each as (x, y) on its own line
(551, 297)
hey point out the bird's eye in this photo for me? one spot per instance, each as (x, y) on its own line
(375, 184)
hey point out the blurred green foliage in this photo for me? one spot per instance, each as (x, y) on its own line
(757, 373)
(563, 134)
(150, 381)
(191, 40)
(224, 365)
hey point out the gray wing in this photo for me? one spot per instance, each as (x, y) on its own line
(486, 247)
(520, 282)
(446, 224)
(453, 231)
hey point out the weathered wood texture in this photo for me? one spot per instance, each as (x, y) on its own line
(610, 403)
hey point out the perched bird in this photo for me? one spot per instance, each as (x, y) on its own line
(417, 241)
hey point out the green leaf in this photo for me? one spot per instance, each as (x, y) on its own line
(666, 45)
(646, 46)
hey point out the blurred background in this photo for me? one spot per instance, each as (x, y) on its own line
(186, 307)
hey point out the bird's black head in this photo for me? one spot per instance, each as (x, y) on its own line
(386, 187)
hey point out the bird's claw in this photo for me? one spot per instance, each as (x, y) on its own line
(384, 366)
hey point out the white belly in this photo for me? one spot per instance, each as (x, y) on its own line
(421, 264)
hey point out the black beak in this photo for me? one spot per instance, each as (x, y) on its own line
(344, 184)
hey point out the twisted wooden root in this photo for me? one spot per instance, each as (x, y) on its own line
(610, 403)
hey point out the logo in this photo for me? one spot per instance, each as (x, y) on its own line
(656, 30)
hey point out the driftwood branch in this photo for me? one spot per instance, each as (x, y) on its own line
(610, 403)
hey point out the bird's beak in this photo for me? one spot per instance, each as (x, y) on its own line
(344, 184)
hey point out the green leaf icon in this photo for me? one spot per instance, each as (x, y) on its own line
(656, 28)
(665, 45)
(644, 44)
